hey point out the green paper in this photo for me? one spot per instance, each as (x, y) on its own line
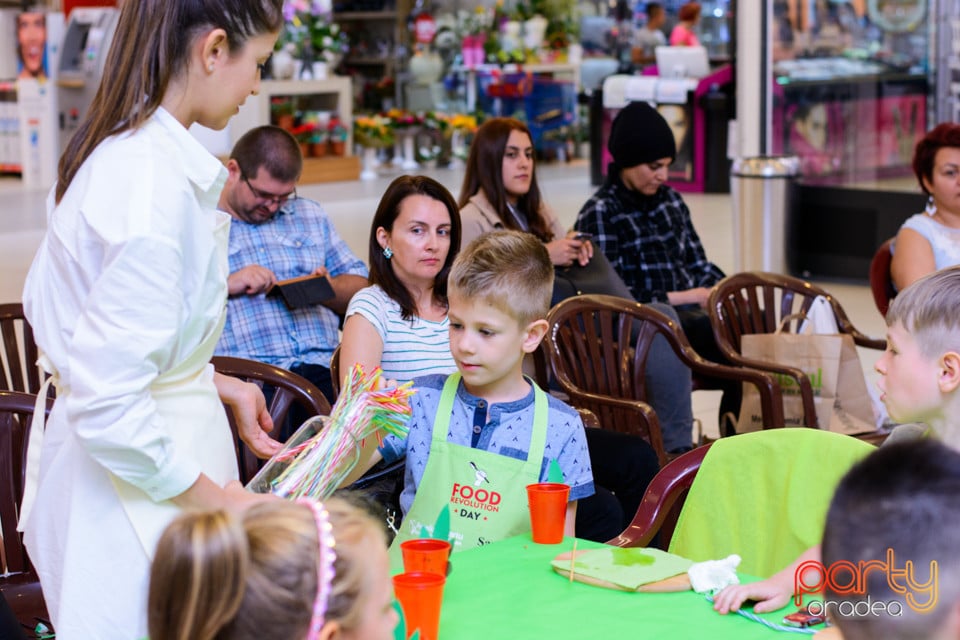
(554, 473)
(629, 568)
(441, 529)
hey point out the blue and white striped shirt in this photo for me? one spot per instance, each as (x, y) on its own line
(411, 348)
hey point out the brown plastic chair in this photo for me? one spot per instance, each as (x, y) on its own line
(598, 346)
(881, 283)
(335, 378)
(662, 502)
(289, 387)
(19, 583)
(757, 302)
(18, 371)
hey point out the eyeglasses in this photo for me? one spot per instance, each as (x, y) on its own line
(268, 197)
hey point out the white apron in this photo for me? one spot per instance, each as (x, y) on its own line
(97, 539)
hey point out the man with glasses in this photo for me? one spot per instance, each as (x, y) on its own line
(276, 235)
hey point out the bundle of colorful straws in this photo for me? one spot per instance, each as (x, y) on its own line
(313, 466)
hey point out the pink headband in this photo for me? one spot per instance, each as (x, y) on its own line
(325, 571)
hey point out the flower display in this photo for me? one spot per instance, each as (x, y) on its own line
(310, 27)
(463, 123)
(437, 121)
(372, 131)
(401, 119)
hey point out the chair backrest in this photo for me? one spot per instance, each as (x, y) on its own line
(335, 379)
(881, 283)
(289, 388)
(662, 502)
(590, 349)
(18, 369)
(16, 413)
(764, 496)
(598, 346)
(756, 302)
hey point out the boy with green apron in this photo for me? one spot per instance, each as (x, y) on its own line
(479, 436)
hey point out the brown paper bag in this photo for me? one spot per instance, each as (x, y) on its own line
(833, 366)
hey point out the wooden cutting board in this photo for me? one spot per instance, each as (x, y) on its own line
(594, 574)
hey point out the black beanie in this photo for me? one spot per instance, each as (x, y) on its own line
(640, 135)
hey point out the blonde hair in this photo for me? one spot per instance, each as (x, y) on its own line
(509, 270)
(928, 310)
(220, 576)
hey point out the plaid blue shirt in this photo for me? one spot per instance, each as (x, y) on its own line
(649, 240)
(297, 240)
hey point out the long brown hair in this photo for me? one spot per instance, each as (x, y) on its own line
(485, 172)
(151, 46)
(381, 271)
(218, 575)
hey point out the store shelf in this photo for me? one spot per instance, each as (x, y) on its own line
(371, 31)
(344, 16)
(330, 169)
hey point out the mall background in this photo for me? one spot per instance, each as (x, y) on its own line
(847, 87)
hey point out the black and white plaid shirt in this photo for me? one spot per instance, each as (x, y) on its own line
(649, 240)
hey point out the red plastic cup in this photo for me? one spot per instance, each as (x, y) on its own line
(425, 554)
(548, 510)
(420, 595)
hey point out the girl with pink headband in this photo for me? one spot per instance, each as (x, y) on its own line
(300, 570)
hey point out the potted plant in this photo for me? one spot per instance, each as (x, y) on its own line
(338, 136)
(282, 112)
(318, 40)
(371, 133)
(304, 133)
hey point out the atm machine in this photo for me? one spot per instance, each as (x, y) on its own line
(86, 42)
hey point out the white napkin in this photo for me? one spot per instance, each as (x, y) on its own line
(713, 575)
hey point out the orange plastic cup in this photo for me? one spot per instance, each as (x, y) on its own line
(420, 595)
(548, 510)
(425, 554)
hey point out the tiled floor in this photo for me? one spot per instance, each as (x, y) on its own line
(351, 206)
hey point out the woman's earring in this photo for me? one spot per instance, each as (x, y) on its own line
(210, 67)
(931, 208)
(387, 253)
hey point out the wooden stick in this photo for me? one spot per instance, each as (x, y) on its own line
(573, 558)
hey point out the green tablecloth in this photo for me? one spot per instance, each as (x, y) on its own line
(508, 590)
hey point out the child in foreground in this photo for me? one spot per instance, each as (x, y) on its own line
(479, 436)
(919, 382)
(300, 570)
(899, 506)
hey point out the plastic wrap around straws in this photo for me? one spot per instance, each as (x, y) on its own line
(323, 451)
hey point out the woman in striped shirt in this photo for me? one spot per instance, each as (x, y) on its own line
(400, 322)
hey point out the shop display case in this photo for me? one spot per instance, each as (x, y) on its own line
(853, 90)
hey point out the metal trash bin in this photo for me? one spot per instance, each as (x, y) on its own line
(763, 191)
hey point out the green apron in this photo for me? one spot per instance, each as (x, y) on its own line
(486, 491)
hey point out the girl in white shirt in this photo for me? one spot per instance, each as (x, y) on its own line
(126, 297)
